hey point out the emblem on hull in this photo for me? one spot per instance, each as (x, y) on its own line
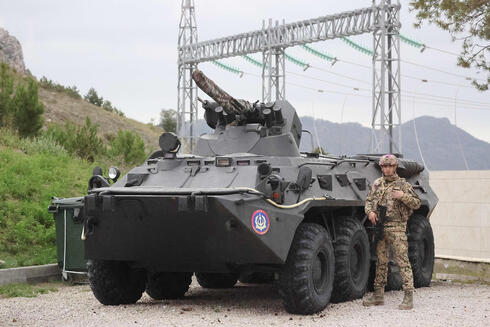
(260, 222)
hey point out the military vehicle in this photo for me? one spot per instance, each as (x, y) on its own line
(244, 204)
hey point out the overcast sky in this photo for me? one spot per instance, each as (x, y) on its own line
(127, 51)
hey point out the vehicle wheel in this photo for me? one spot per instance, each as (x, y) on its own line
(351, 260)
(115, 282)
(257, 278)
(420, 250)
(306, 281)
(216, 280)
(168, 285)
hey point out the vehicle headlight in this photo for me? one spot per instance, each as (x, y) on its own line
(114, 173)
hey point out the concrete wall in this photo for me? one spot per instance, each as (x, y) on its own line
(461, 219)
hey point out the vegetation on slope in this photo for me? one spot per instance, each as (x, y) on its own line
(55, 160)
(31, 172)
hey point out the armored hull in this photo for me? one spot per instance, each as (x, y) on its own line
(171, 223)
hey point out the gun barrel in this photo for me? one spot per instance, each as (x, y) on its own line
(230, 105)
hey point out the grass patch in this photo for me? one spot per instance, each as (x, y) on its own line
(31, 172)
(27, 290)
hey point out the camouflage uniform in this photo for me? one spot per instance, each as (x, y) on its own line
(397, 213)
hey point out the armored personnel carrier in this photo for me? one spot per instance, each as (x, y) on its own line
(246, 204)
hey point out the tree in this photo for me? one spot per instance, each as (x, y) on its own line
(6, 90)
(85, 142)
(27, 109)
(107, 105)
(168, 120)
(129, 146)
(467, 20)
(93, 97)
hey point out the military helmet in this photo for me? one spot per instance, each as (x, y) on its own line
(388, 159)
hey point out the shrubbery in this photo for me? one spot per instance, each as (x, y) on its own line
(81, 141)
(93, 97)
(129, 146)
(21, 109)
(36, 165)
(28, 110)
(48, 84)
(28, 180)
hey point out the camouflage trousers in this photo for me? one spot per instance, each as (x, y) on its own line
(398, 241)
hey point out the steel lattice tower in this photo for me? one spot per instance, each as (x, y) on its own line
(382, 19)
(273, 67)
(186, 88)
(386, 97)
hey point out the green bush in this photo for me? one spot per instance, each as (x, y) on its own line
(81, 141)
(6, 91)
(48, 84)
(93, 98)
(129, 146)
(20, 109)
(27, 109)
(107, 106)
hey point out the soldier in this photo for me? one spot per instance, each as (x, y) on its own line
(399, 199)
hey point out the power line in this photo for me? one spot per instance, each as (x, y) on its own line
(339, 74)
(439, 103)
(448, 98)
(423, 96)
(328, 82)
(439, 70)
(436, 81)
(442, 51)
(407, 40)
(444, 101)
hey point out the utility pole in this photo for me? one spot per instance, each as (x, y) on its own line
(273, 67)
(186, 88)
(386, 79)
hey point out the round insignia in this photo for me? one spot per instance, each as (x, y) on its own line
(260, 222)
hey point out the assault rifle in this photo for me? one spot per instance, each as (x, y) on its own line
(379, 227)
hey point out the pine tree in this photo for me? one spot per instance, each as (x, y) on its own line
(93, 97)
(6, 90)
(27, 109)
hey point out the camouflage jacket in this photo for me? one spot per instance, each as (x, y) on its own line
(397, 210)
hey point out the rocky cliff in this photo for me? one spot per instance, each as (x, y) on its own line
(11, 51)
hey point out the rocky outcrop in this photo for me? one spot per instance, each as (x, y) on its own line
(11, 51)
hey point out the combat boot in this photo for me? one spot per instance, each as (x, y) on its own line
(407, 302)
(377, 298)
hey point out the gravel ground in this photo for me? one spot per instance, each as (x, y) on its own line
(443, 304)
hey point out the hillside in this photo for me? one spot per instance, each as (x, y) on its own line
(31, 172)
(60, 107)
